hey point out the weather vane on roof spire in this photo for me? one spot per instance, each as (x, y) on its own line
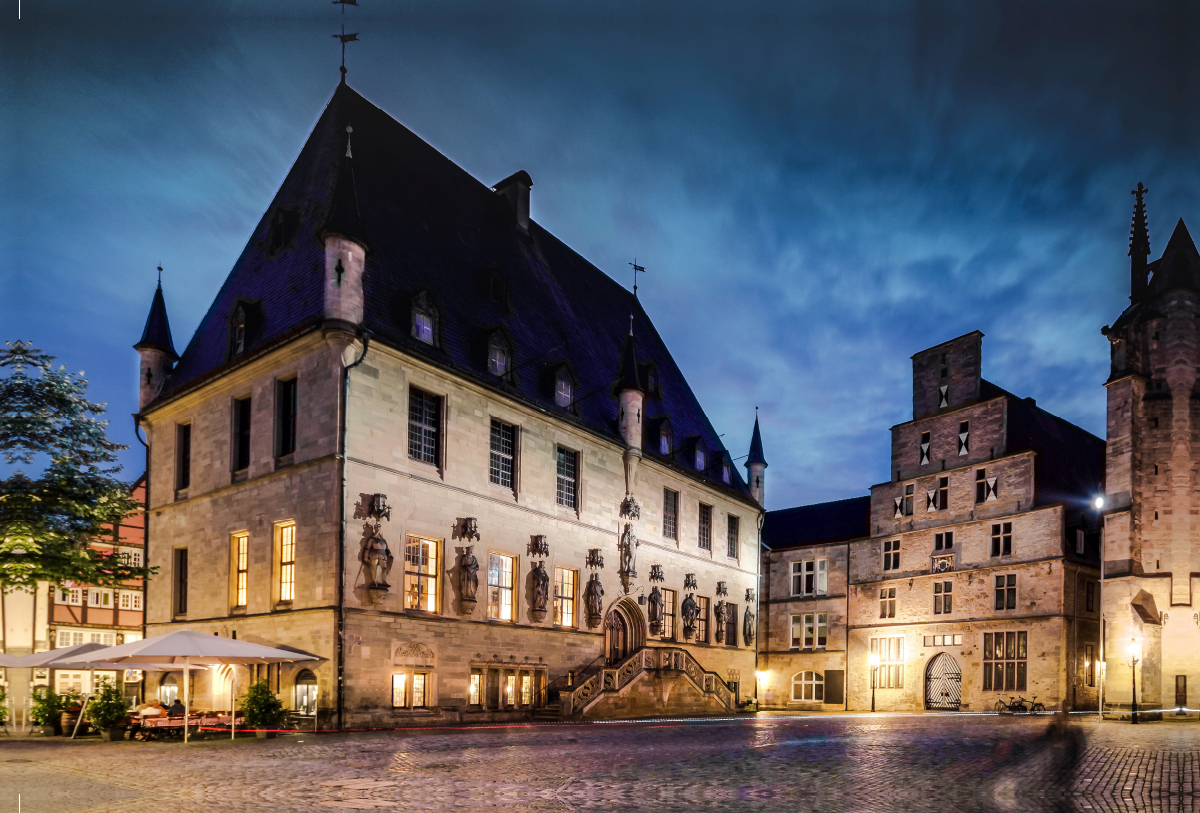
(344, 37)
(636, 269)
(160, 276)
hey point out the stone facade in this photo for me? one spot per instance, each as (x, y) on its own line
(967, 506)
(1151, 558)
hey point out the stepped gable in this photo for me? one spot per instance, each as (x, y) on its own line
(817, 524)
(433, 228)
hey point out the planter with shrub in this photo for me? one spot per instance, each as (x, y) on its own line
(107, 713)
(262, 709)
(47, 710)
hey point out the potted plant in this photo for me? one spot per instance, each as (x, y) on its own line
(107, 712)
(47, 710)
(262, 709)
(72, 706)
(3, 708)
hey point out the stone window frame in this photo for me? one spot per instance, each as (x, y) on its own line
(996, 662)
(703, 603)
(923, 449)
(669, 620)
(239, 569)
(511, 588)
(497, 456)
(1006, 593)
(285, 562)
(704, 517)
(733, 534)
(890, 672)
(815, 569)
(1089, 665)
(241, 448)
(287, 415)
(183, 458)
(964, 438)
(416, 575)
(436, 429)
(890, 551)
(1000, 539)
(566, 483)
(943, 596)
(810, 623)
(887, 602)
(566, 599)
(809, 682)
(943, 541)
(670, 529)
(1090, 597)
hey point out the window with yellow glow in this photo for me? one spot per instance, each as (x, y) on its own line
(241, 563)
(399, 691)
(287, 561)
(500, 586)
(420, 574)
(564, 597)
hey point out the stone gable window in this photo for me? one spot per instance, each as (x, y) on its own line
(564, 389)
(499, 355)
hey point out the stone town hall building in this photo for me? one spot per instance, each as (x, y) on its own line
(418, 436)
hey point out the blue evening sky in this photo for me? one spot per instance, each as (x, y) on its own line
(817, 194)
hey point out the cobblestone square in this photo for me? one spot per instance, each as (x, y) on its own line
(845, 763)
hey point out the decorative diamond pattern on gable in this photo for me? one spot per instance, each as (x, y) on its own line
(931, 501)
(964, 440)
(991, 491)
(943, 396)
(925, 453)
(899, 507)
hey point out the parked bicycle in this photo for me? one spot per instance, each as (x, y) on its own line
(1019, 705)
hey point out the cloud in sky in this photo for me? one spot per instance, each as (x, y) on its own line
(817, 195)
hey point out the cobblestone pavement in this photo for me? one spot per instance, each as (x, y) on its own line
(851, 763)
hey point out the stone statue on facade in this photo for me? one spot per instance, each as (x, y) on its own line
(541, 590)
(690, 611)
(719, 616)
(629, 546)
(748, 627)
(654, 610)
(375, 557)
(593, 598)
(468, 577)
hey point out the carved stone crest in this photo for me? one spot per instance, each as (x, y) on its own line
(689, 582)
(538, 546)
(595, 559)
(468, 578)
(593, 599)
(467, 528)
(654, 610)
(541, 591)
(748, 627)
(722, 589)
(656, 574)
(372, 506)
(749, 595)
(690, 611)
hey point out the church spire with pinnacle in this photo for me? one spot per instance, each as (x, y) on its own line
(756, 464)
(1139, 244)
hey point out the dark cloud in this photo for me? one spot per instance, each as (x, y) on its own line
(817, 194)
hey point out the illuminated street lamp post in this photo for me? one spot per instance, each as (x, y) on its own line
(873, 659)
(1134, 651)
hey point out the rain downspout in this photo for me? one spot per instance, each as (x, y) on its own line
(343, 408)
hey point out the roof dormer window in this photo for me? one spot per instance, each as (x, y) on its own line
(499, 356)
(725, 472)
(664, 439)
(701, 457)
(564, 391)
(424, 320)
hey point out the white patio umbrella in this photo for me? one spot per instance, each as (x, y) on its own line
(66, 658)
(8, 660)
(186, 648)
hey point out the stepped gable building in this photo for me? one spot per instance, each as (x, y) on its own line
(975, 576)
(805, 603)
(417, 435)
(1152, 560)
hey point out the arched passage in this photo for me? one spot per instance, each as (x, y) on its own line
(624, 630)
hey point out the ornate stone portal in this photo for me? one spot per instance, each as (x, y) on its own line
(373, 552)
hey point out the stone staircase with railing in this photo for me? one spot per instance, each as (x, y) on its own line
(653, 681)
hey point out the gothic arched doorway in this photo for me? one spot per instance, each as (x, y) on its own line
(624, 631)
(943, 684)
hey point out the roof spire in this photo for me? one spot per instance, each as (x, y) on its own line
(156, 335)
(636, 269)
(1139, 243)
(756, 447)
(628, 377)
(160, 276)
(345, 216)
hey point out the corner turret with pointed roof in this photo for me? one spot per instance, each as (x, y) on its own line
(756, 464)
(631, 412)
(156, 350)
(345, 239)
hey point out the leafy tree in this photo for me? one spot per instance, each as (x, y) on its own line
(47, 523)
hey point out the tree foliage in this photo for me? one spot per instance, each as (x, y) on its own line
(48, 522)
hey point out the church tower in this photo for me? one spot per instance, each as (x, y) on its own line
(756, 466)
(1152, 526)
(155, 351)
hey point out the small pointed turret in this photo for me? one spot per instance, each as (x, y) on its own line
(345, 244)
(756, 464)
(632, 398)
(156, 350)
(1139, 244)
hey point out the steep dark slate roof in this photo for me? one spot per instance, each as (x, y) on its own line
(433, 228)
(157, 332)
(817, 524)
(1178, 267)
(756, 449)
(628, 377)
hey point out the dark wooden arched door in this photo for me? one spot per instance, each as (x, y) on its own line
(616, 638)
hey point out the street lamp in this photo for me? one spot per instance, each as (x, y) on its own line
(873, 659)
(1098, 503)
(1135, 650)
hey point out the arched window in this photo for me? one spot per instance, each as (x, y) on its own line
(498, 355)
(424, 319)
(168, 690)
(564, 391)
(306, 693)
(808, 686)
(664, 439)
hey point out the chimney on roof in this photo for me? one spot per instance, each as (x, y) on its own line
(515, 189)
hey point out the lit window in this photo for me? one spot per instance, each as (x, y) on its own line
(424, 320)
(526, 690)
(670, 514)
(725, 472)
(424, 425)
(1004, 661)
(1089, 665)
(239, 330)
(241, 563)
(420, 574)
(702, 621)
(568, 467)
(700, 458)
(500, 586)
(418, 691)
(287, 561)
(890, 672)
(399, 691)
(306, 694)
(476, 690)
(510, 690)
(887, 602)
(564, 597)
(563, 391)
(503, 446)
(668, 625)
(808, 686)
